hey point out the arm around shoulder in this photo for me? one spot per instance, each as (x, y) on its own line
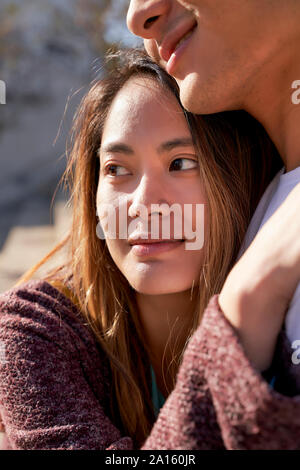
(222, 401)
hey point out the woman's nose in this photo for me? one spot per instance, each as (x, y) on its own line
(145, 18)
(147, 194)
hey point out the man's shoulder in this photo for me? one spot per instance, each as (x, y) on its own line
(258, 216)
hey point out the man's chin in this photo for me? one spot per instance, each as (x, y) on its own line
(190, 106)
(195, 100)
(189, 101)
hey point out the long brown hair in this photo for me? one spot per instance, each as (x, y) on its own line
(237, 161)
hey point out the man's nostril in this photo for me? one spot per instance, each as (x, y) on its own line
(150, 21)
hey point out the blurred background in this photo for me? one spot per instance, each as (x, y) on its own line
(50, 50)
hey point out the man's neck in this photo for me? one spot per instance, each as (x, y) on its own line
(272, 102)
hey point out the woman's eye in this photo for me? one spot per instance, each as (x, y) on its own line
(183, 164)
(116, 170)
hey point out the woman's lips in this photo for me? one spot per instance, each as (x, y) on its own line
(148, 249)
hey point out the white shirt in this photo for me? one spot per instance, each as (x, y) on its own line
(274, 196)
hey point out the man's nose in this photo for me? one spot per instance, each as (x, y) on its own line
(145, 18)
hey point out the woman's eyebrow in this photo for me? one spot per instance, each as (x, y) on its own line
(178, 142)
(119, 147)
(116, 147)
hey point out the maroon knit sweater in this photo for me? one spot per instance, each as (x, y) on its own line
(54, 384)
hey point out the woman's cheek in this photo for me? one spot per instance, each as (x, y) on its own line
(108, 203)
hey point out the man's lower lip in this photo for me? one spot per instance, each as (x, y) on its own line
(155, 248)
(175, 57)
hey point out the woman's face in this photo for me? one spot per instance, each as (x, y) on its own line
(147, 157)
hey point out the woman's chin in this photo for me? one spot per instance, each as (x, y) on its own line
(158, 287)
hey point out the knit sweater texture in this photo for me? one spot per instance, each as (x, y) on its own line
(55, 384)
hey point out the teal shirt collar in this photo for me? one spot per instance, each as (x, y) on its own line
(158, 399)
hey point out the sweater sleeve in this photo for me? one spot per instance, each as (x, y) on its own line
(221, 400)
(46, 398)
